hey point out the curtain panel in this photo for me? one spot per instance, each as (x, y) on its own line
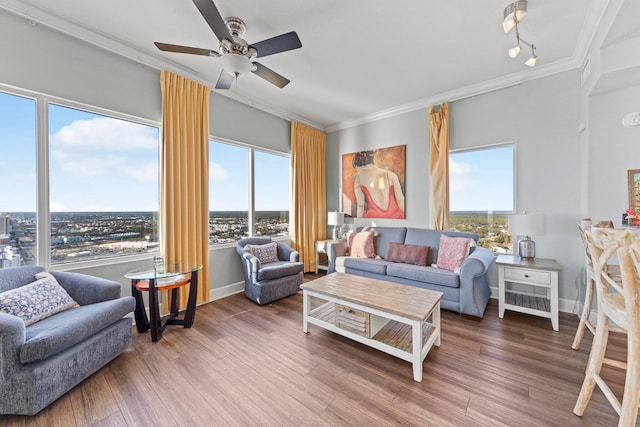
(184, 178)
(308, 191)
(438, 120)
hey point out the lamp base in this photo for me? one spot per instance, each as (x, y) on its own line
(336, 232)
(527, 249)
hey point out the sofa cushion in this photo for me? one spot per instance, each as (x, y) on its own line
(65, 329)
(408, 254)
(274, 270)
(36, 301)
(386, 235)
(431, 238)
(371, 265)
(361, 244)
(417, 273)
(265, 253)
(452, 252)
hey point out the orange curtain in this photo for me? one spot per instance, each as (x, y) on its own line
(308, 191)
(184, 177)
(439, 166)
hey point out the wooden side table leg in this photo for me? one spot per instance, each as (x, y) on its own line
(139, 313)
(190, 313)
(554, 302)
(501, 292)
(416, 330)
(154, 311)
(175, 299)
(306, 306)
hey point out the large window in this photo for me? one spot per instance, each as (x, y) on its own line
(103, 180)
(481, 183)
(19, 182)
(228, 192)
(272, 189)
(101, 183)
(236, 211)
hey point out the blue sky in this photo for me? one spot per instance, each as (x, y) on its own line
(104, 164)
(98, 163)
(481, 180)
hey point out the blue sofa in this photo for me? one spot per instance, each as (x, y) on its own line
(42, 361)
(466, 292)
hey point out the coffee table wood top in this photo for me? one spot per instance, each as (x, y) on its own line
(402, 300)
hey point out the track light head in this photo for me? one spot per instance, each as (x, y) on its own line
(514, 51)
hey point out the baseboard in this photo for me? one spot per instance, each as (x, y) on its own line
(225, 291)
(564, 305)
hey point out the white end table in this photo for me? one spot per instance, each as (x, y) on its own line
(321, 248)
(540, 272)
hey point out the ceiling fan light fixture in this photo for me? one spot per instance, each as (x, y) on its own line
(236, 65)
(513, 13)
(514, 51)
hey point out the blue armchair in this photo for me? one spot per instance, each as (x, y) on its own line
(269, 278)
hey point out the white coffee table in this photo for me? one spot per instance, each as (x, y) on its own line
(387, 316)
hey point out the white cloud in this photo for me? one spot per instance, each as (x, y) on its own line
(87, 166)
(461, 176)
(104, 134)
(147, 172)
(217, 172)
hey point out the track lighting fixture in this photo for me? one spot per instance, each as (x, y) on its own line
(512, 16)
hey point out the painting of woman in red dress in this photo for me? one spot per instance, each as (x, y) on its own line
(373, 183)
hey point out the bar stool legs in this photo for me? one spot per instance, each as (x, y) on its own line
(586, 312)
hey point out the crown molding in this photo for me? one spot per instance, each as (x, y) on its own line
(37, 16)
(462, 93)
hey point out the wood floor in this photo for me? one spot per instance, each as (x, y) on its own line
(249, 365)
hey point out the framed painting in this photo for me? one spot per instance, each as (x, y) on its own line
(373, 183)
(633, 177)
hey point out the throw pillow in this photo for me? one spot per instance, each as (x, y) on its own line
(452, 252)
(407, 254)
(361, 244)
(265, 253)
(36, 301)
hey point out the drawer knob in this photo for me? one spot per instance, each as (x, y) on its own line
(350, 311)
(526, 275)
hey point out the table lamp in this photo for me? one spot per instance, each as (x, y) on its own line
(527, 225)
(336, 219)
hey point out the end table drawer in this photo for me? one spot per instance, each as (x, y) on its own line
(523, 275)
(352, 320)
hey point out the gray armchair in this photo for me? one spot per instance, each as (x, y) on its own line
(42, 361)
(267, 282)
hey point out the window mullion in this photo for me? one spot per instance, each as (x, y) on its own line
(42, 167)
(252, 196)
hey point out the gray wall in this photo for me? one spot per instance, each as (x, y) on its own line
(613, 149)
(38, 59)
(541, 117)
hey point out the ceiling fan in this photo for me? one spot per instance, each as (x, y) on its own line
(235, 53)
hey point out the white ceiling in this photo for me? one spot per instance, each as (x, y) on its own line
(360, 59)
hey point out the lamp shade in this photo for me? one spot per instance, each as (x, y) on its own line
(526, 224)
(335, 218)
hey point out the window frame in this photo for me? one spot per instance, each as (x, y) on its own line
(499, 145)
(251, 217)
(43, 214)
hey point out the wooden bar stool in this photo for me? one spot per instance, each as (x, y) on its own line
(614, 272)
(620, 303)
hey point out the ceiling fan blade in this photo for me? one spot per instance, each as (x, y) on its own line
(277, 44)
(186, 49)
(225, 80)
(210, 13)
(271, 76)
